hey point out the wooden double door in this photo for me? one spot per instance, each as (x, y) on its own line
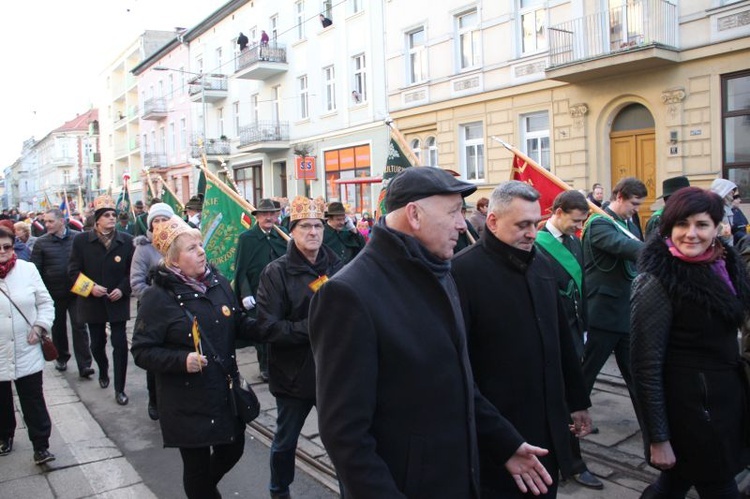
(633, 154)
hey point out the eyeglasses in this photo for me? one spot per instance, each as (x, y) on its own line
(6, 247)
(308, 227)
(109, 214)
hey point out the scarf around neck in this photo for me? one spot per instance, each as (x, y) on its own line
(106, 239)
(713, 256)
(6, 267)
(199, 284)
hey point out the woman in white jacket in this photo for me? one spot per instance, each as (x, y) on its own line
(26, 313)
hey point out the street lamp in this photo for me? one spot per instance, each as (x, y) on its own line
(203, 91)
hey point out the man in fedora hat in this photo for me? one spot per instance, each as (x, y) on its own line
(256, 248)
(668, 187)
(340, 234)
(193, 210)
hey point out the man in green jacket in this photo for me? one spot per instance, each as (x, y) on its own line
(340, 233)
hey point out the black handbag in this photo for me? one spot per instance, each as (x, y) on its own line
(242, 400)
(49, 350)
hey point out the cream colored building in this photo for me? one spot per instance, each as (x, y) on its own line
(594, 90)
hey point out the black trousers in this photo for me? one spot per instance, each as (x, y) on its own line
(119, 351)
(671, 486)
(33, 406)
(599, 345)
(204, 467)
(81, 343)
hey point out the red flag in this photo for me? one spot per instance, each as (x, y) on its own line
(540, 179)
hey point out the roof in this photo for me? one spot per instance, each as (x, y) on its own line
(80, 122)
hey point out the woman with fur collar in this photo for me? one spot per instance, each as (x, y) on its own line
(686, 307)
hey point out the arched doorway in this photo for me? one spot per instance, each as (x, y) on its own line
(633, 151)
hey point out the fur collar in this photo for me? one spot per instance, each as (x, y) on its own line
(696, 284)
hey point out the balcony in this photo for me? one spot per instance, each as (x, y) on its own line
(62, 161)
(264, 136)
(214, 88)
(261, 62)
(212, 147)
(154, 160)
(641, 35)
(155, 109)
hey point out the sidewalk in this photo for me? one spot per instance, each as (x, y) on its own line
(88, 463)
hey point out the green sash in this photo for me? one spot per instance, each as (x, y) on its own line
(564, 257)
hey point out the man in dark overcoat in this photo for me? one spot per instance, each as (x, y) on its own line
(398, 409)
(103, 255)
(610, 250)
(557, 240)
(520, 345)
(256, 248)
(342, 237)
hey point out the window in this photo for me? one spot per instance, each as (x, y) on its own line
(171, 86)
(735, 116)
(220, 120)
(236, 113)
(472, 152)
(254, 108)
(356, 5)
(299, 9)
(183, 134)
(66, 176)
(219, 60)
(162, 140)
(274, 27)
(304, 109)
(533, 26)
(172, 138)
(329, 78)
(276, 104)
(161, 89)
(349, 163)
(360, 77)
(469, 41)
(432, 152)
(535, 136)
(417, 61)
(416, 148)
(328, 8)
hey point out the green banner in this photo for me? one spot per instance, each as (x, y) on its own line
(123, 203)
(396, 161)
(173, 202)
(222, 221)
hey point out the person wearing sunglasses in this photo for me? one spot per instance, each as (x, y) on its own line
(103, 255)
(26, 313)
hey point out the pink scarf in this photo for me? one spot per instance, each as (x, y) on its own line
(714, 256)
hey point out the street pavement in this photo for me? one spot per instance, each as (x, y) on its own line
(107, 451)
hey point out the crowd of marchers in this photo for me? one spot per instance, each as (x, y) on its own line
(447, 357)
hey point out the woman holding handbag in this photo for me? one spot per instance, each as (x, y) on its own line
(26, 313)
(184, 333)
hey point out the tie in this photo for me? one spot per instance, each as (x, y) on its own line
(567, 241)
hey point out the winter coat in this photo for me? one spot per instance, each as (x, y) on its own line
(24, 284)
(283, 304)
(107, 267)
(346, 244)
(21, 250)
(398, 409)
(255, 250)
(145, 256)
(686, 367)
(609, 257)
(51, 255)
(520, 332)
(194, 408)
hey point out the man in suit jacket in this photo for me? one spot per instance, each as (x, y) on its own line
(557, 240)
(399, 412)
(609, 253)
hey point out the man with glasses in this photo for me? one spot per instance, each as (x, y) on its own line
(340, 233)
(103, 255)
(286, 287)
(50, 255)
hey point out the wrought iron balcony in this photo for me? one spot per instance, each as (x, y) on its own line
(212, 147)
(639, 35)
(154, 160)
(264, 136)
(155, 109)
(214, 88)
(261, 62)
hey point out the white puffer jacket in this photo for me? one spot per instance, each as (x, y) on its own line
(24, 284)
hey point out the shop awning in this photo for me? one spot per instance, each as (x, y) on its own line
(359, 180)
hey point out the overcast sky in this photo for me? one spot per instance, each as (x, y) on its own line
(54, 51)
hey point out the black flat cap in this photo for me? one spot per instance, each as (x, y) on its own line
(419, 182)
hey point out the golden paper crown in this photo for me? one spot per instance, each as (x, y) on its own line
(302, 207)
(165, 233)
(104, 201)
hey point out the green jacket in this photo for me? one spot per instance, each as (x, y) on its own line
(255, 250)
(345, 243)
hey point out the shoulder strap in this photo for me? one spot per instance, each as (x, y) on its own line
(14, 304)
(562, 255)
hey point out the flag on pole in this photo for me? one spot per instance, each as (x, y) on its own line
(223, 219)
(65, 205)
(396, 161)
(169, 197)
(123, 200)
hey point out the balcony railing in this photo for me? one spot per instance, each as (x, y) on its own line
(155, 109)
(260, 62)
(212, 147)
(639, 24)
(154, 159)
(214, 88)
(264, 131)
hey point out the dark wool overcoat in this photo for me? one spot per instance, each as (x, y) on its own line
(687, 372)
(194, 408)
(107, 267)
(398, 409)
(520, 347)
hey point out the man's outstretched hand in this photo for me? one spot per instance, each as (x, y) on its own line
(527, 471)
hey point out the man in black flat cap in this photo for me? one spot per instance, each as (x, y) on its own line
(668, 187)
(398, 409)
(256, 248)
(340, 234)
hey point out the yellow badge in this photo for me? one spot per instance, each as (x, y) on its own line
(225, 310)
(317, 283)
(118, 258)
